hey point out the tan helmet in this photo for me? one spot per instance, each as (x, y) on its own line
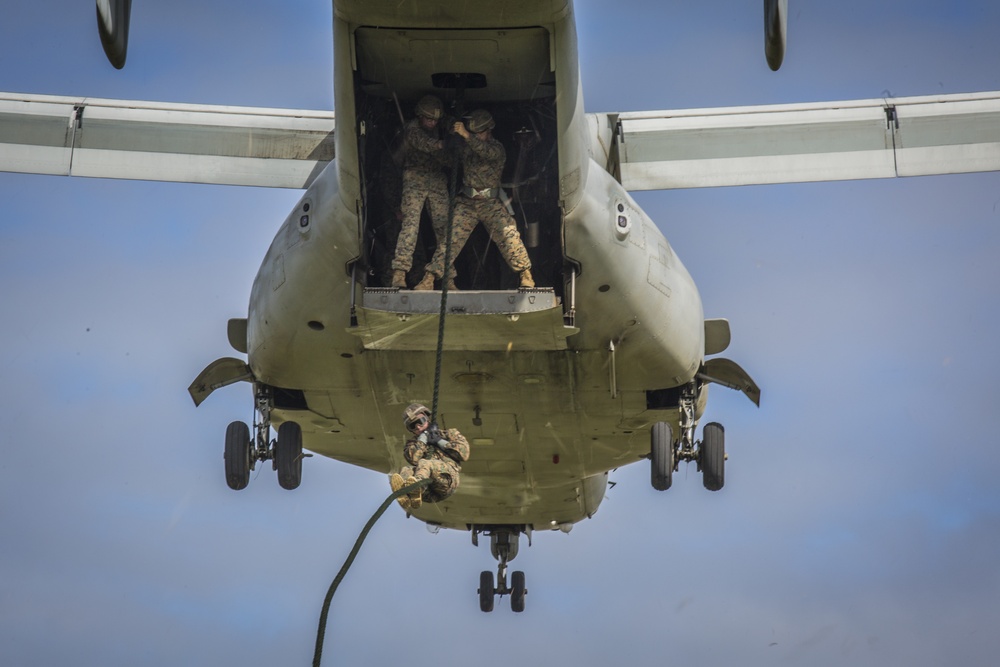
(413, 411)
(430, 107)
(480, 120)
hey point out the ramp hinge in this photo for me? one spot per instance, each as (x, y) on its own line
(891, 119)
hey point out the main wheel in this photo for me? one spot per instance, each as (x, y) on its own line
(486, 592)
(713, 457)
(661, 456)
(288, 455)
(237, 455)
(517, 592)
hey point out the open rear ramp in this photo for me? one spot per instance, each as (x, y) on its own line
(523, 319)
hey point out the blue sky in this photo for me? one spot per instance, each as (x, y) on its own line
(860, 523)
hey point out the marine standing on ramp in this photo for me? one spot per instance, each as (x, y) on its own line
(483, 160)
(432, 454)
(424, 180)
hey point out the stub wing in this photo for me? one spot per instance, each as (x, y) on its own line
(912, 136)
(153, 141)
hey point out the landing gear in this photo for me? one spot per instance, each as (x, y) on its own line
(288, 455)
(503, 546)
(242, 452)
(486, 591)
(712, 458)
(517, 591)
(661, 456)
(665, 455)
(238, 456)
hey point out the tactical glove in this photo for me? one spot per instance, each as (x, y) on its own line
(433, 434)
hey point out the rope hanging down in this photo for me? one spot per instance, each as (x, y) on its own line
(445, 279)
(321, 631)
(318, 654)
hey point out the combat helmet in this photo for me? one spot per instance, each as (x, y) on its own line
(413, 412)
(430, 107)
(480, 120)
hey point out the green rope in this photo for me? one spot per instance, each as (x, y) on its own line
(318, 655)
(321, 631)
(452, 195)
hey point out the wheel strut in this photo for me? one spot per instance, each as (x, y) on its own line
(262, 443)
(686, 445)
(503, 546)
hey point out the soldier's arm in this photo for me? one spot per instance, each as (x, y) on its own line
(414, 451)
(421, 141)
(488, 150)
(456, 443)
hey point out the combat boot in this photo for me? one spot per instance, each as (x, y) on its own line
(427, 283)
(416, 498)
(396, 482)
(526, 279)
(399, 278)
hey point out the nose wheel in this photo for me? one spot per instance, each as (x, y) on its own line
(503, 546)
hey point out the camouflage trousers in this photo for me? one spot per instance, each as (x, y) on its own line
(498, 222)
(420, 187)
(442, 473)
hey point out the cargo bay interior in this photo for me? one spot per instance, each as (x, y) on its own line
(506, 72)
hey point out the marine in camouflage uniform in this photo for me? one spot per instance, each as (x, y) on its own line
(483, 160)
(432, 454)
(424, 181)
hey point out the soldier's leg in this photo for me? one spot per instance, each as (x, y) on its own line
(396, 482)
(503, 232)
(412, 205)
(444, 480)
(437, 202)
(422, 470)
(463, 222)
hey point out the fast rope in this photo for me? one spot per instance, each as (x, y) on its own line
(445, 279)
(321, 630)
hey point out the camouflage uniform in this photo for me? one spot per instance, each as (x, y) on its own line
(424, 180)
(428, 461)
(483, 161)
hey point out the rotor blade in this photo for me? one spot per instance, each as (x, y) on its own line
(775, 29)
(112, 23)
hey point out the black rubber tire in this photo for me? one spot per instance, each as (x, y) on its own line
(288, 455)
(517, 592)
(486, 592)
(661, 456)
(237, 455)
(713, 456)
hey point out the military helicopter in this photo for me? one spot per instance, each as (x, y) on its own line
(604, 364)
